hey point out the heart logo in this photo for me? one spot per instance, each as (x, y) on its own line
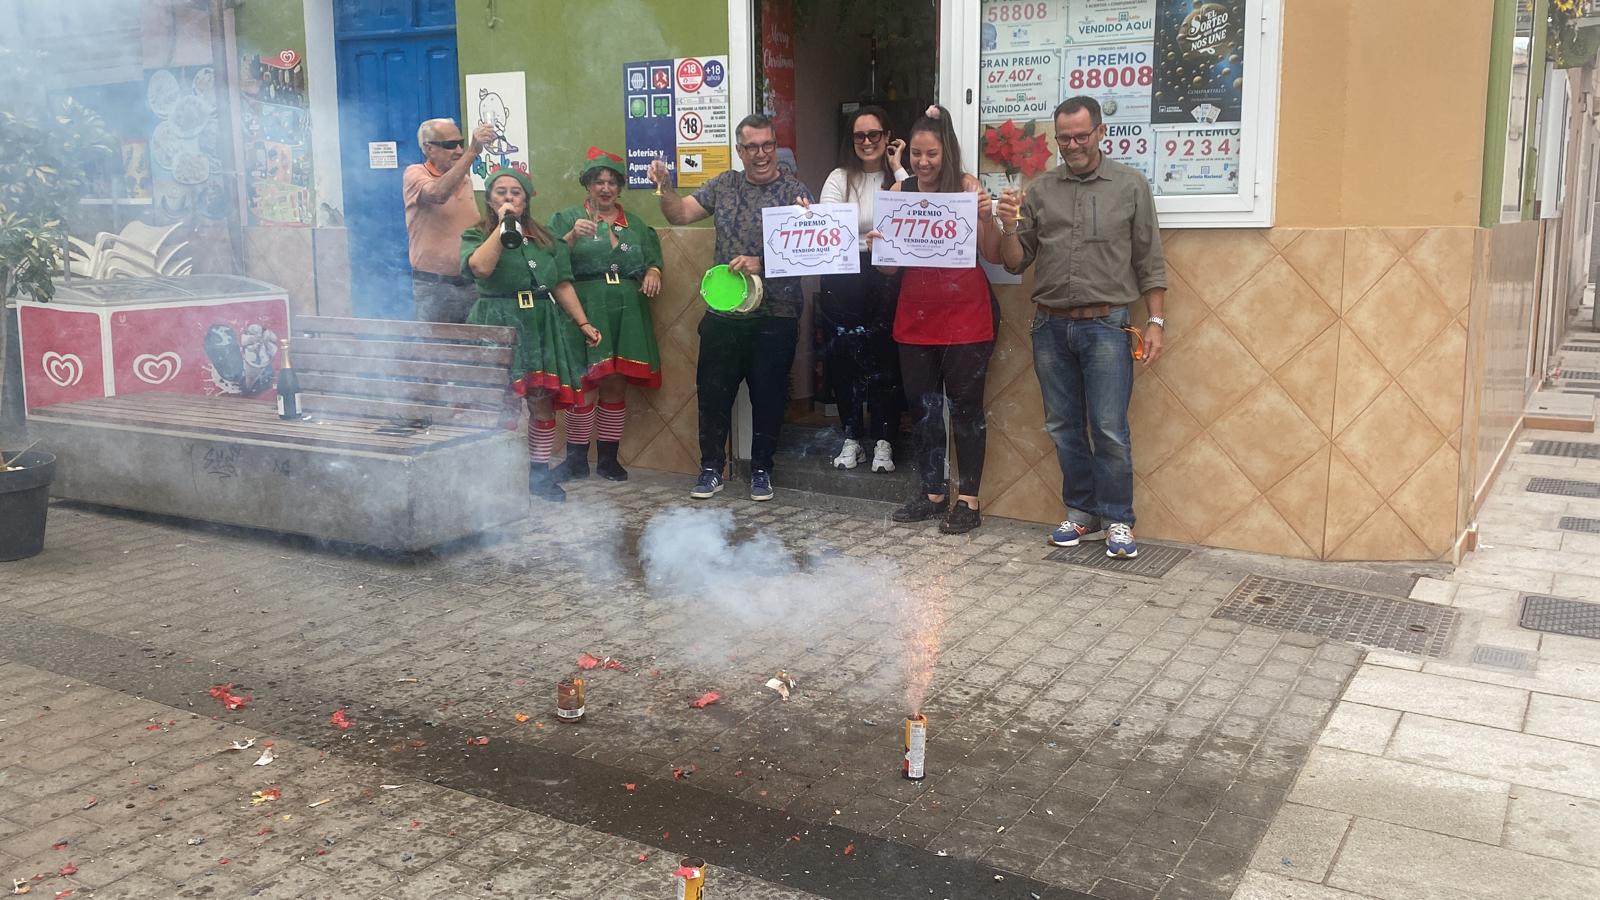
(157, 368)
(65, 369)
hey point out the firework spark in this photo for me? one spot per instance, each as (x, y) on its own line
(921, 626)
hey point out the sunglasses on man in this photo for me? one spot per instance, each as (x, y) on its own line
(448, 145)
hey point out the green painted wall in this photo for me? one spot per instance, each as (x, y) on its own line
(1497, 111)
(1536, 86)
(267, 26)
(573, 56)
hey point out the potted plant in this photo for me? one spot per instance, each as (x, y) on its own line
(48, 153)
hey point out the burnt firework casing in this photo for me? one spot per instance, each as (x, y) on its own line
(915, 765)
(569, 700)
(692, 875)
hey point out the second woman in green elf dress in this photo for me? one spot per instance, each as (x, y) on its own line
(616, 270)
(529, 288)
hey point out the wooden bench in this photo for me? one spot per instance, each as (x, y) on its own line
(334, 474)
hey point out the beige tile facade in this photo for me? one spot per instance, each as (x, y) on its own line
(1310, 402)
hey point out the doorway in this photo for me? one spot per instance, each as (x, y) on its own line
(847, 54)
(397, 68)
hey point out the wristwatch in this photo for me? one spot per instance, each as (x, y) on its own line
(1156, 320)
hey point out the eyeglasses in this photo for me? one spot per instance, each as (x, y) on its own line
(867, 137)
(1067, 140)
(448, 145)
(754, 149)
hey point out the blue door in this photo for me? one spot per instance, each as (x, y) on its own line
(397, 68)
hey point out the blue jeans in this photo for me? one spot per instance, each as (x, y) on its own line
(1085, 370)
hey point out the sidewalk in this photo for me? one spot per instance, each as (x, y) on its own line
(1476, 775)
(1094, 733)
(108, 796)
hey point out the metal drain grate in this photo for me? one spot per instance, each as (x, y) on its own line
(1579, 348)
(1409, 626)
(1153, 561)
(1580, 376)
(1565, 487)
(1578, 523)
(1572, 449)
(1560, 615)
(1501, 657)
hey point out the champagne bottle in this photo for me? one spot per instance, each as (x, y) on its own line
(510, 233)
(288, 388)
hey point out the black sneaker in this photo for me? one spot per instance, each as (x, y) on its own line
(919, 510)
(962, 519)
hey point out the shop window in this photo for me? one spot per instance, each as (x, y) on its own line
(1187, 88)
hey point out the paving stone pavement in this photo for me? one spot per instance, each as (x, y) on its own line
(1475, 775)
(107, 795)
(1089, 732)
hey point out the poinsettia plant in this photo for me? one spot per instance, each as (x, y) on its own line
(1019, 150)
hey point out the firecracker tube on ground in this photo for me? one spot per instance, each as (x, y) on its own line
(915, 766)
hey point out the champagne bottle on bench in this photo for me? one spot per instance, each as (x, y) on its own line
(288, 389)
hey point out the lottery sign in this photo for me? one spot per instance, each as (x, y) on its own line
(1019, 85)
(934, 230)
(1016, 25)
(1104, 21)
(1131, 144)
(1197, 161)
(818, 241)
(676, 110)
(1119, 76)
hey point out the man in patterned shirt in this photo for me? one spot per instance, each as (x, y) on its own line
(757, 347)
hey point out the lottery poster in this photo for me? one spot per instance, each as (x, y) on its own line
(934, 230)
(1197, 161)
(1104, 21)
(1199, 74)
(1133, 145)
(821, 240)
(676, 110)
(1119, 76)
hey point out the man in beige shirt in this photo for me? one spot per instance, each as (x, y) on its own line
(439, 206)
(1088, 227)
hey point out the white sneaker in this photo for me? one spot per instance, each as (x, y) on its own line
(850, 456)
(883, 457)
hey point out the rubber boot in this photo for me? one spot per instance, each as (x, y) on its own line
(606, 465)
(576, 465)
(542, 483)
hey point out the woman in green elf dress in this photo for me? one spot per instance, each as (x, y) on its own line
(616, 270)
(521, 287)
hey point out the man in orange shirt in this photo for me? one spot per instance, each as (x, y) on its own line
(439, 206)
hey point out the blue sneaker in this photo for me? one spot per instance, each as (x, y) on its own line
(1069, 533)
(1119, 541)
(709, 484)
(760, 484)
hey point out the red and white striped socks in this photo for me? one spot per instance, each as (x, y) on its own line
(541, 439)
(612, 416)
(580, 425)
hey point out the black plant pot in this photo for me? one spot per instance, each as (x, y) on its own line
(24, 502)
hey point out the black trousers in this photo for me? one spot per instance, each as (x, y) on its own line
(859, 355)
(953, 375)
(759, 351)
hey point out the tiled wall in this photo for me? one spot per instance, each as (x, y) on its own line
(1309, 403)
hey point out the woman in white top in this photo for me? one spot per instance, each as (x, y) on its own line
(861, 361)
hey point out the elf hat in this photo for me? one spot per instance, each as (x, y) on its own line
(497, 174)
(600, 159)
